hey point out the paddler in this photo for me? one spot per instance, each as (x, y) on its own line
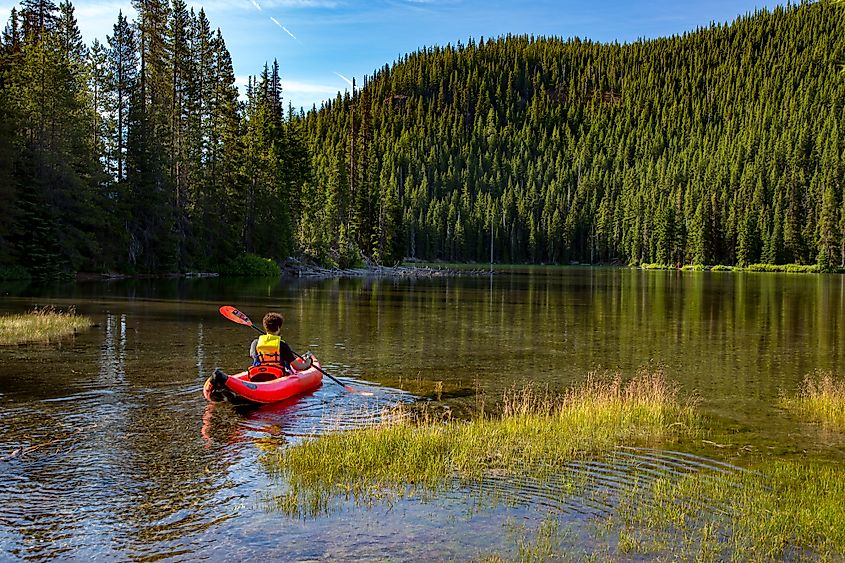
(270, 349)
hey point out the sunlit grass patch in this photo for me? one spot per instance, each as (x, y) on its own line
(779, 510)
(790, 268)
(548, 541)
(44, 325)
(784, 510)
(536, 431)
(821, 398)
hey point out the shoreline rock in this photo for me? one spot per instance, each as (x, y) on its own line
(295, 269)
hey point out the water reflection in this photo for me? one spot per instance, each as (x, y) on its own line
(117, 455)
(473, 519)
(113, 354)
(111, 452)
(201, 368)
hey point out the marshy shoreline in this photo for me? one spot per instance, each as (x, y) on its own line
(764, 508)
(305, 269)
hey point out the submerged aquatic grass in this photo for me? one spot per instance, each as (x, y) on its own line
(535, 431)
(43, 325)
(782, 510)
(821, 398)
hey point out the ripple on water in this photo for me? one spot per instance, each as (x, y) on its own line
(331, 409)
(147, 472)
(476, 517)
(597, 486)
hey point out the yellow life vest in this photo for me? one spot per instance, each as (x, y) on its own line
(267, 349)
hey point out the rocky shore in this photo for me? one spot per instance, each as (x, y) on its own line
(298, 269)
(295, 268)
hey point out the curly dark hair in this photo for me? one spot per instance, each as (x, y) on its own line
(272, 322)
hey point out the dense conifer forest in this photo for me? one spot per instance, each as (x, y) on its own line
(136, 154)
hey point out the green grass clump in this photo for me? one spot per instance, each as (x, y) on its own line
(820, 399)
(655, 266)
(791, 268)
(721, 268)
(783, 510)
(536, 431)
(41, 325)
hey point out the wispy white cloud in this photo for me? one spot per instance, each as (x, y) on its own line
(302, 3)
(96, 19)
(256, 4)
(426, 6)
(344, 78)
(84, 10)
(286, 30)
(292, 86)
(297, 87)
(221, 6)
(241, 82)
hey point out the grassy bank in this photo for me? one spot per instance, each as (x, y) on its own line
(788, 268)
(781, 510)
(43, 325)
(774, 510)
(534, 431)
(821, 398)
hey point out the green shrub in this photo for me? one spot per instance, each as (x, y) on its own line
(802, 269)
(762, 268)
(350, 257)
(693, 267)
(252, 266)
(791, 268)
(656, 266)
(721, 268)
(13, 273)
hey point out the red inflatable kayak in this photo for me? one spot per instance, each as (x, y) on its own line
(263, 384)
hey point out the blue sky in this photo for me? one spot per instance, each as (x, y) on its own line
(322, 44)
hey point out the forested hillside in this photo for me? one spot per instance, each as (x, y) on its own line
(724, 145)
(136, 153)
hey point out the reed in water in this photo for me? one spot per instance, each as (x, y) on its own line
(533, 431)
(44, 325)
(821, 398)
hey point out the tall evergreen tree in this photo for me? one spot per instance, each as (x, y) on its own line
(123, 72)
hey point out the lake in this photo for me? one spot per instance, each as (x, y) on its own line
(108, 449)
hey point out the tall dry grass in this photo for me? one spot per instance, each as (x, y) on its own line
(821, 398)
(536, 432)
(45, 325)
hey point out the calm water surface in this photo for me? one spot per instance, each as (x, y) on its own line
(108, 449)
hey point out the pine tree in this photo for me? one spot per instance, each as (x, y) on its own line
(152, 246)
(123, 72)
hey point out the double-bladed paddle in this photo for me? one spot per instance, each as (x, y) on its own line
(239, 317)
